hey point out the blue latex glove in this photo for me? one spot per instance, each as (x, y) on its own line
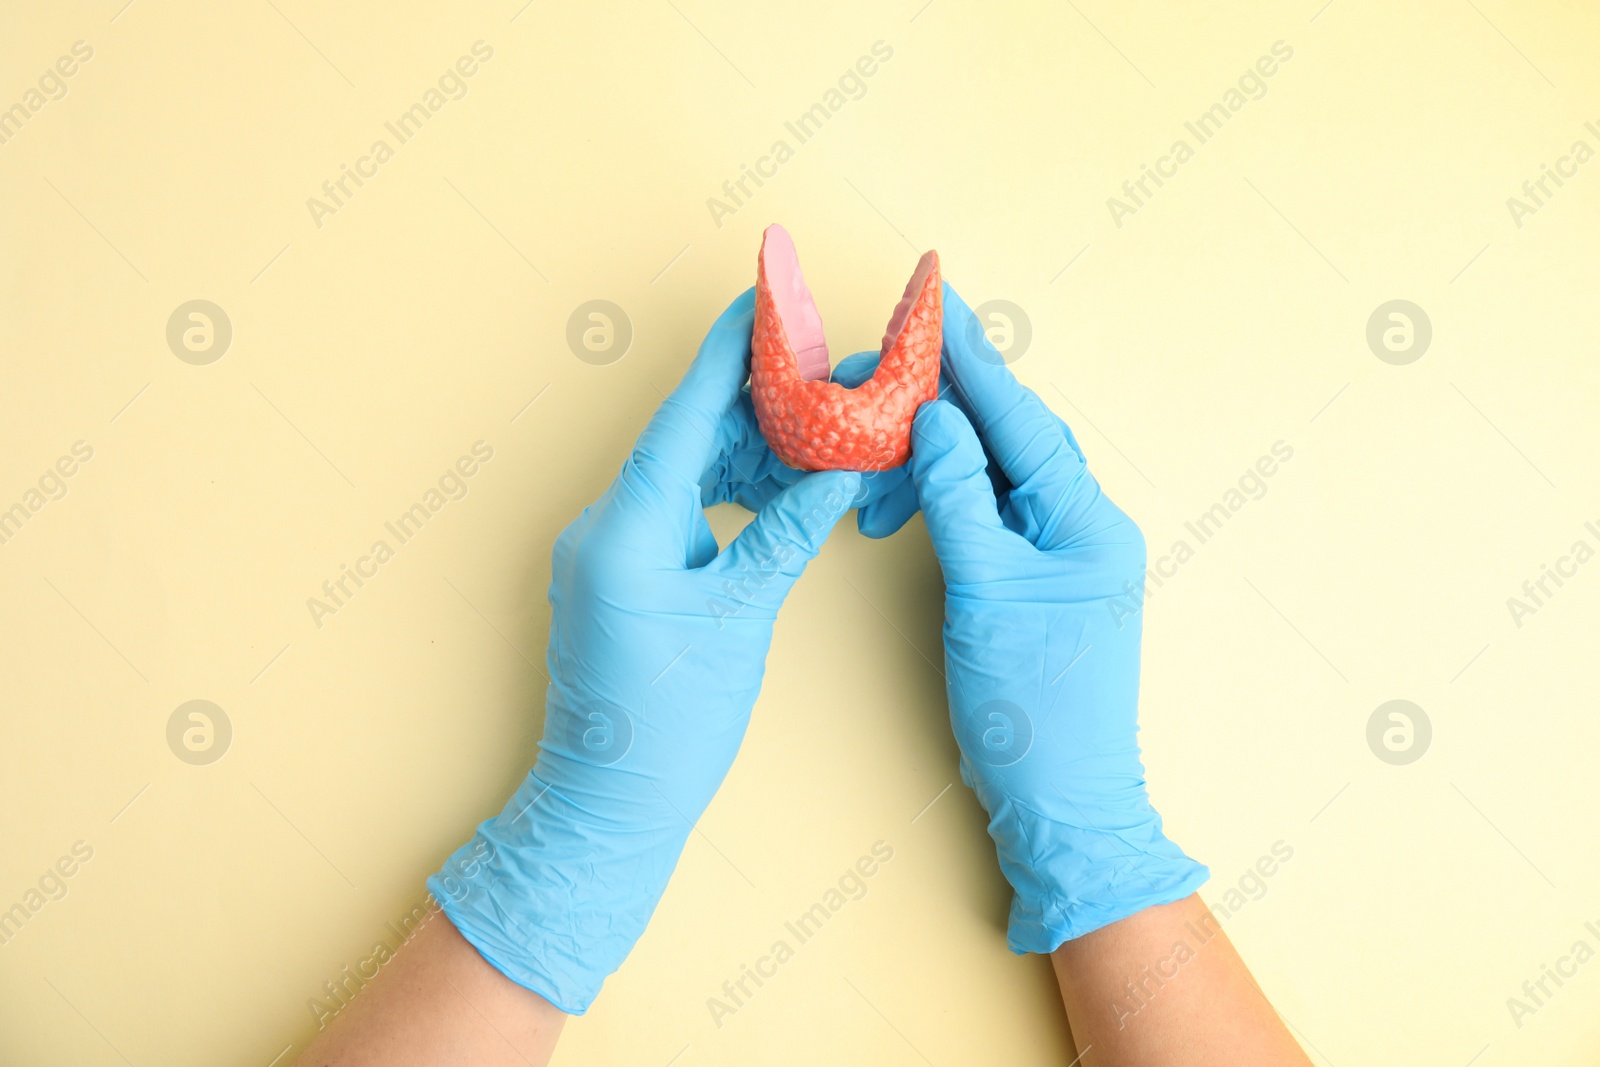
(1043, 676)
(657, 648)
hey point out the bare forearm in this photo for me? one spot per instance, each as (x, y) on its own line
(439, 1003)
(1165, 988)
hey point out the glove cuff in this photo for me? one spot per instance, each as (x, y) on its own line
(550, 904)
(1043, 926)
(1076, 880)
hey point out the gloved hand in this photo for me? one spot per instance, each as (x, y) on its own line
(1042, 670)
(657, 648)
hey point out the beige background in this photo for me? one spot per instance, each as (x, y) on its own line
(1225, 315)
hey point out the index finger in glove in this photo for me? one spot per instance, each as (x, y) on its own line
(1051, 497)
(1025, 437)
(682, 438)
(948, 468)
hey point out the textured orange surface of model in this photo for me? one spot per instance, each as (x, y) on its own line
(814, 424)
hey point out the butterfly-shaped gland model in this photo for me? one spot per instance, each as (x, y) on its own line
(814, 424)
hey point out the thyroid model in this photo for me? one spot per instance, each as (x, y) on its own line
(814, 424)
